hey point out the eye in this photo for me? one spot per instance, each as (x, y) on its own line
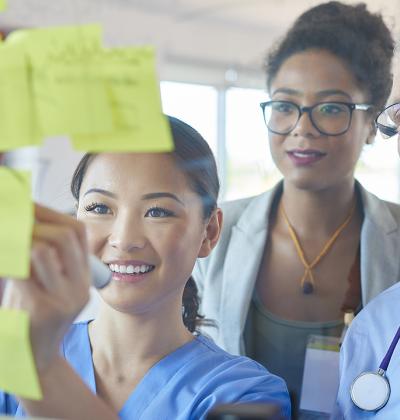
(283, 107)
(97, 208)
(159, 212)
(331, 109)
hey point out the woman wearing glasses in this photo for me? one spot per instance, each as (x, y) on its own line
(292, 261)
(370, 352)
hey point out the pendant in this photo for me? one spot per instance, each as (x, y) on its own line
(308, 288)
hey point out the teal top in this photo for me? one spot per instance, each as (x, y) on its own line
(280, 344)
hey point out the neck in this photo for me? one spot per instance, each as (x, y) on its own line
(138, 339)
(311, 212)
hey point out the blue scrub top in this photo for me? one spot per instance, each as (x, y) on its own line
(185, 384)
(366, 343)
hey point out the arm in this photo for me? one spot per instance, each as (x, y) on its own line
(66, 396)
(55, 293)
(243, 381)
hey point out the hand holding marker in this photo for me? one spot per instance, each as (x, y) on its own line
(101, 274)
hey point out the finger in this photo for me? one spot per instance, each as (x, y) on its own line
(19, 294)
(47, 270)
(46, 215)
(71, 255)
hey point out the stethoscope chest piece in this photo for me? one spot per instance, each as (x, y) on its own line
(370, 391)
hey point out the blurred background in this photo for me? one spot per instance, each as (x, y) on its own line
(210, 65)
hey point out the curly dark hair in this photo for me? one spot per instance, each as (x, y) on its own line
(195, 158)
(360, 38)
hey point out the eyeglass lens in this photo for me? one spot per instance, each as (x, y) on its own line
(389, 120)
(329, 117)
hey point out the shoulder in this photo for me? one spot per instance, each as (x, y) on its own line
(245, 207)
(366, 342)
(373, 327)
(230, 379)
(379, 310)
(376, 208)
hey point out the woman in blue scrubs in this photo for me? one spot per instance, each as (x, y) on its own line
(148, 217)
(371, 342)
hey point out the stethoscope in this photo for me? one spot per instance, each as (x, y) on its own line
(370, 391)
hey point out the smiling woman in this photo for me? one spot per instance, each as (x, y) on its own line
(148, 217)
(292, 262)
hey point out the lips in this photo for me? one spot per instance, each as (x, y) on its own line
(305, 157)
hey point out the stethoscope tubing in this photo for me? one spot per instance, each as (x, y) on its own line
(360, 402)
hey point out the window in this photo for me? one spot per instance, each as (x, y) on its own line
(378, 169)
(250, 169)
(195, 105)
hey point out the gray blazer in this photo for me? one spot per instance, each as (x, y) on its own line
(227, 277)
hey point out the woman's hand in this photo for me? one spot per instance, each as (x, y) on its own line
(58, 287)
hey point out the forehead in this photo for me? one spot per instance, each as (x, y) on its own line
(127, 172)
(313, 71)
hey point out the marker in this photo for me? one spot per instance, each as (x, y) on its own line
(101, 274)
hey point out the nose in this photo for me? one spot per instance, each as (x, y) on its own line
(127, 233)
(305, 127)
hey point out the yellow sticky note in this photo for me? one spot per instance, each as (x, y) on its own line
(65, 95)
(3, 5)
(17, 216)
(17, 117)
(128, 77)
(18, 373)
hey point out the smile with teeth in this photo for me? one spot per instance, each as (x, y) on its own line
(131, 269)
(306, 154)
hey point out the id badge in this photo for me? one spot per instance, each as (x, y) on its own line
(321, 374)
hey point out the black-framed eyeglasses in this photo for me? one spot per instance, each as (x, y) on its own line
(388, 121)
(329, 118)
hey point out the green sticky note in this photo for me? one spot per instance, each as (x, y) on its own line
(128, 77)
(17, 116)
(17, 216)
(18, 373)
(3, 5)
(65, 95)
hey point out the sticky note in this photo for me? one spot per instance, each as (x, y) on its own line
(128, 77)
(3, 5)
(18, 125)
(18, 373)
(17, 216)
(64, 94)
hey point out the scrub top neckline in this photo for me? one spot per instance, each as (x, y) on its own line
(152, 383)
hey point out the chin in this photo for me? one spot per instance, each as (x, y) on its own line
(308, 183)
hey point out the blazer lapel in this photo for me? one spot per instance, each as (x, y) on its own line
(241, 268)
(379, 247)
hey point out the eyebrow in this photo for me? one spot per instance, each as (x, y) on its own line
(320, 94)
(151, 196)
(100, 191)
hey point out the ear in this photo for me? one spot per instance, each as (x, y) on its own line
(371, 134)
(211, 233)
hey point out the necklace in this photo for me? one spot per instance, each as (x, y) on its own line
(307, 281)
